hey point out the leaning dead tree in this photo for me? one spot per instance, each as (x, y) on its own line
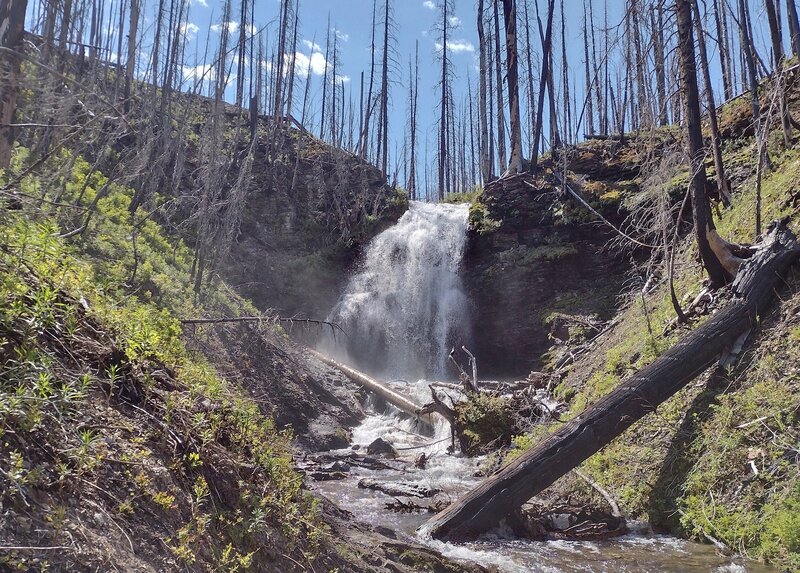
(380, 388)
(499, 497)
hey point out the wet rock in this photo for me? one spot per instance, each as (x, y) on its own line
(421, 461)
(337, 466)
(398, 489)
(381, 446)
(385, 531)
(321, 475)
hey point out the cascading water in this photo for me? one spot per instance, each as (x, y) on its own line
(402, 313)
(406, 307)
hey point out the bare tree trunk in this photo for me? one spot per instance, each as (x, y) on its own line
(531, 90)
(565, 106)
(12, 22)
(794, 27)
(749, 57)
(501, 120)
(325, 80)
(601, 122)
(414, 96)
(546, 44)
(368, 112)
(642, 97)
(443, 117)
(777, 62)
(292, 63)
(703, 220)
(510, 16)
(722, 44)
(484, 138)
(588, 75)
(722, 182)
(385, 87)
(657, 26)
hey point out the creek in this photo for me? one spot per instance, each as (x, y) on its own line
(403, 311)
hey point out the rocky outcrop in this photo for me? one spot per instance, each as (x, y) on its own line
(308, 213)
(532, 253)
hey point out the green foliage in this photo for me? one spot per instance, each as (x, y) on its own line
(479, 219)
(82, 320)
(484, 420)
(470, 197)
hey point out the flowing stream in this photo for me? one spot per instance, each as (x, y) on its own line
(403, 311)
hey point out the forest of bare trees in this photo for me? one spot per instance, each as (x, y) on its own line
(524, 100)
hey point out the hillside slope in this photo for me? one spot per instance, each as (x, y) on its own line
(721, 459)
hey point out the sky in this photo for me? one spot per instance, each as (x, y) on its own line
(414, 21)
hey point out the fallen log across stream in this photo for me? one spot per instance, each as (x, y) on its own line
(499, 497)
(394, 398)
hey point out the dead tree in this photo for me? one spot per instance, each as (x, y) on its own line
(501, 121)
(588, 75)
(484, 137)
(777, 62)
(510, 17)
(444, 182)
(705, 231)
(413, 99)
(12, 21)
(794, 27)
(384, 115)
(546, 59)
(722, 182)
(500, 496)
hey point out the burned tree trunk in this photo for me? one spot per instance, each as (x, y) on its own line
(705, 231)
(499, 497)
(12, 19)
(510, 17)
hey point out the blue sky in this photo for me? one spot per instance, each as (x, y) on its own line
(414, 21)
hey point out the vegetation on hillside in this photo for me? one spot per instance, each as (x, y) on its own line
(132, 432)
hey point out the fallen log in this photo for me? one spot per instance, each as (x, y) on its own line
(395, 399)
(500, 496)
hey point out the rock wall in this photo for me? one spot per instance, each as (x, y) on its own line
(531, 253)
(309, 211)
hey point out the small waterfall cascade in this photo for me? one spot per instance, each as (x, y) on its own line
(406, 307)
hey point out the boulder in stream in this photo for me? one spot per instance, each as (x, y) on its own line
(398, 488)
(381, 446)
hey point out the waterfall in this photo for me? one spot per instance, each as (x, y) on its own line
(406, 307)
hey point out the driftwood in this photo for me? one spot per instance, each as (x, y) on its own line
(379, 388)
(500, 496)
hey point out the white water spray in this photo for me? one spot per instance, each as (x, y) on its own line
(406, 307)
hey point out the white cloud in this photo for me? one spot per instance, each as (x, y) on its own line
(455, 21)
(429, 5)
(203, 72)
(303, 64)
(189, 29)
(341, 35)
(313, 46)
(233, 27)
(456, 46)
(202, 3)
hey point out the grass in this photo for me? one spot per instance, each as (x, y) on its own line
(689, 466)
(90, 339)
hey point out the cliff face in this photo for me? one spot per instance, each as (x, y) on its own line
(308, 214)
(530, 257)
